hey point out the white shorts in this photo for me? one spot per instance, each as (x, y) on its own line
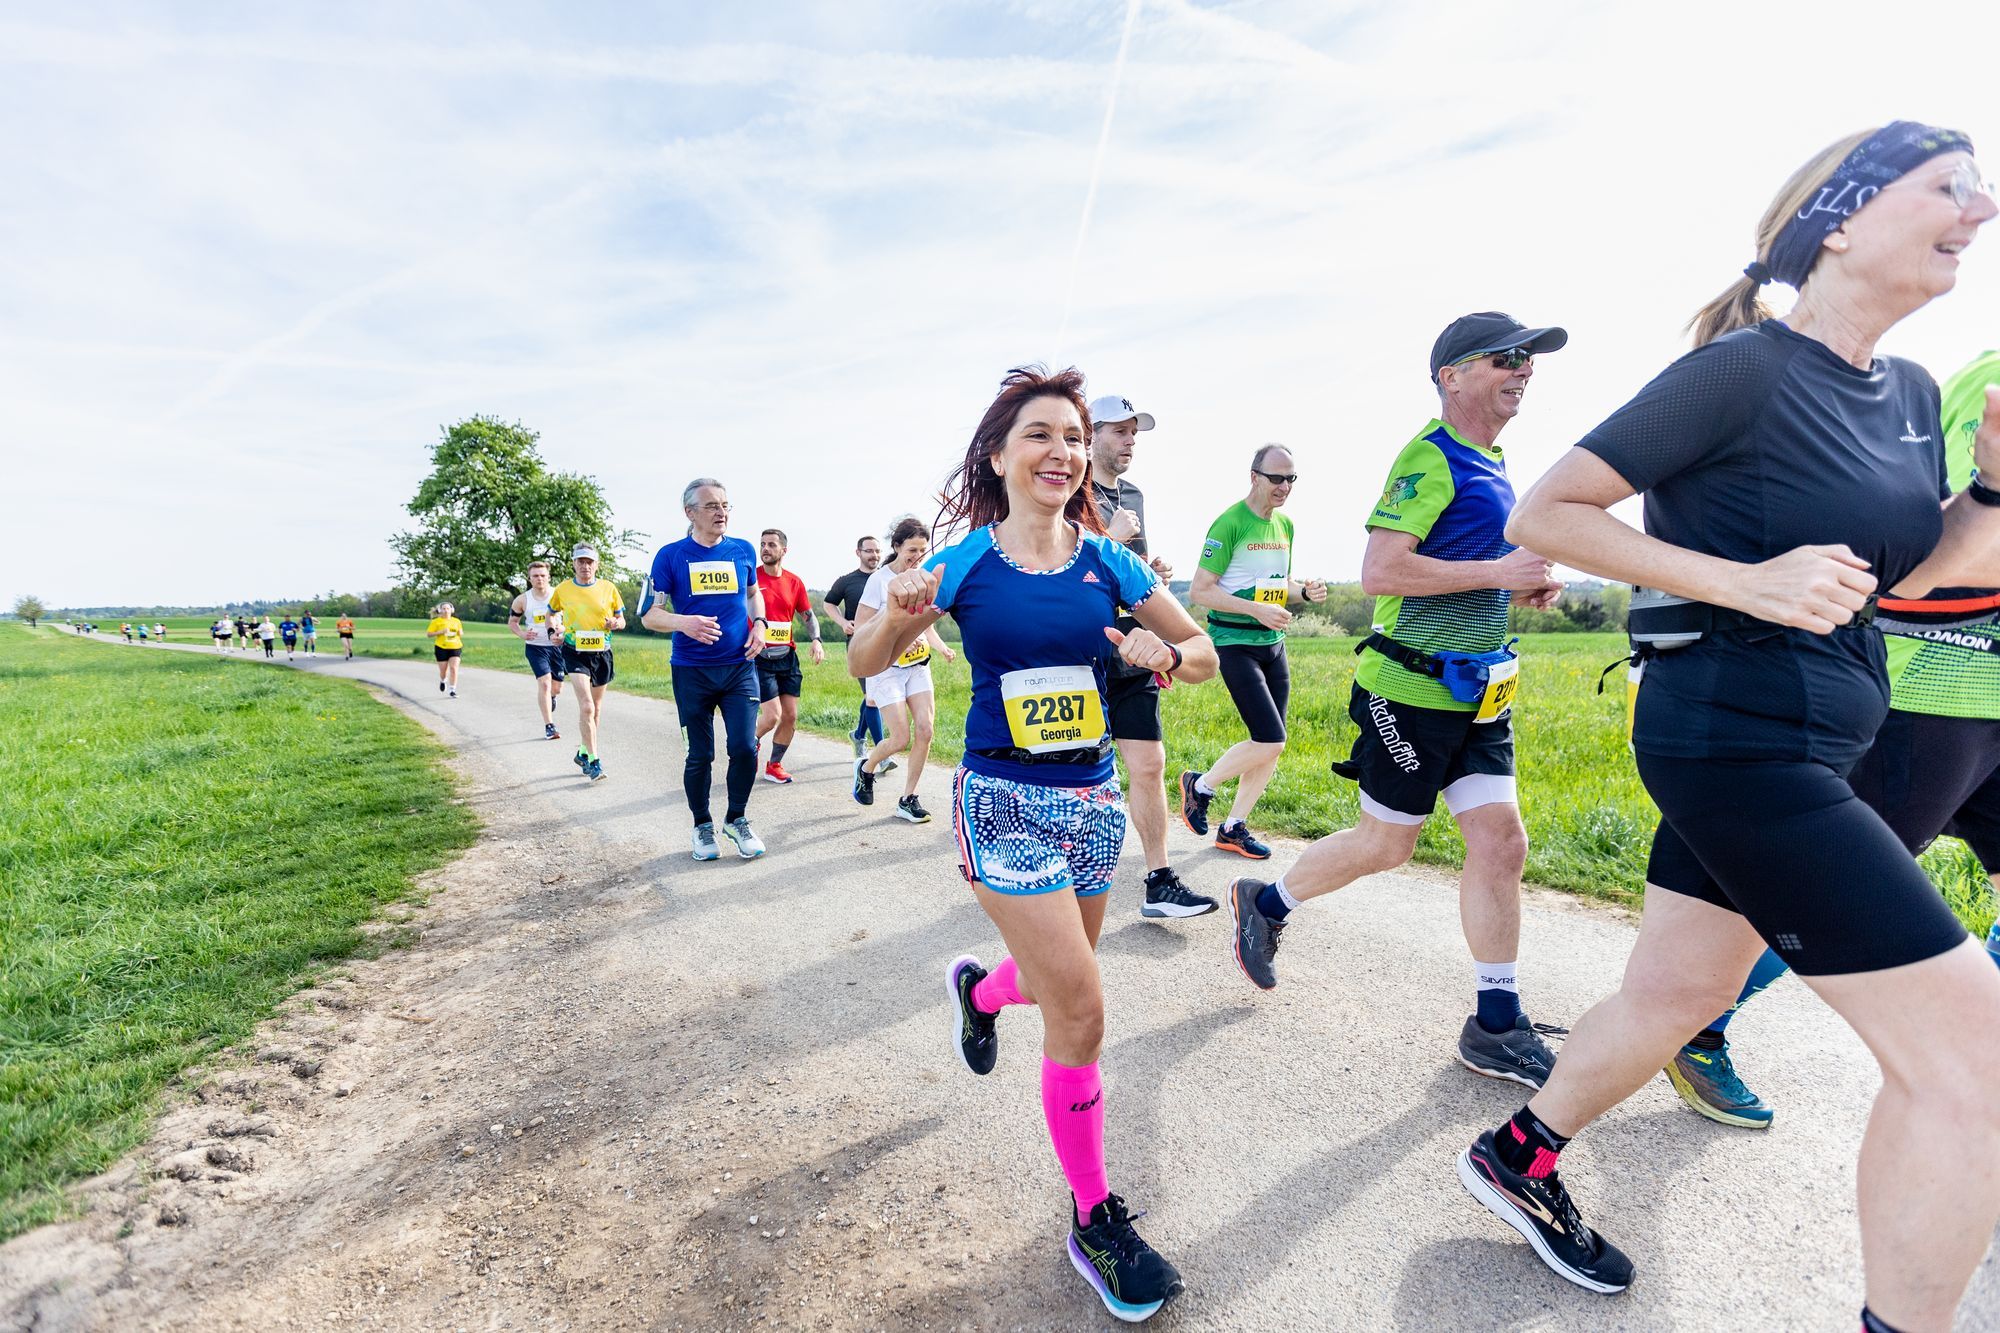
(897, 684)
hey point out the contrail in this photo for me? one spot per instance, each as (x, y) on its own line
(1096, 173)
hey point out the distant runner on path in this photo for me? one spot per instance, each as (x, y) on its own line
(843, 600)
(591, 610)
(267, 633)
(309, 633)
(780, 680)
(539, 629)
(290, 629)
(345, 628)
(902, 689)
(447, 635)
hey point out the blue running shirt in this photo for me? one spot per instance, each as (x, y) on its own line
(1035, 642)
(708, 581)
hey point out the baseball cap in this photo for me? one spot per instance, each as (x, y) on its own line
(1111, 409)
(1490, 331)
(583, 550)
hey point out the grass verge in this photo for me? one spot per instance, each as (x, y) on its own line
(186, 843)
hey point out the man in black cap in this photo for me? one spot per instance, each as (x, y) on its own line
(1436, 683)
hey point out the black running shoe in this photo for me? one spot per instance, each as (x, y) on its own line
(864, 785)
(1255, 938)
(549, 732)
(1167, 896)
(1127, 1274)
(912, 809)
(1194, 805)
(1542, 1211)
(1519, 1053)
(973, 1032)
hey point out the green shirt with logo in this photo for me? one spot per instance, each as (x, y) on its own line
(1249, 556)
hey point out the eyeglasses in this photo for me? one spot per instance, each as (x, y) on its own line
(1965, 185)
(1278, 478)
(1511, 359)
(711, 507)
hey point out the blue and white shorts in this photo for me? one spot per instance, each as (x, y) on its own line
(1020, 838)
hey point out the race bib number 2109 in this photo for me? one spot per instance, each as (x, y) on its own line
(707, 578)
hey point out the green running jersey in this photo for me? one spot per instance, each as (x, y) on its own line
(1251, 558)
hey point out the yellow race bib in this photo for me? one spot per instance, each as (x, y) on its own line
(590, 640)
(1053, 708)
(778, 636)
(1501, 682)
(707, 578)
(916, 654)
(1272, 592)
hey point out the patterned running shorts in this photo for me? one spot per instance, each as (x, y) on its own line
(1015, 837)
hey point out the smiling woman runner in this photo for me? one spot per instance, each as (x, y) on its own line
(1035, 588)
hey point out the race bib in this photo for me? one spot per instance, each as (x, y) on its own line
(1053, 708)
(1501, 684)
(1272, 592)
(1633, 675)
(707, 578)
(778, 636)
(916, 654)
(591, 640)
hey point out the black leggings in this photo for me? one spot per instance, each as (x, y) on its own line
(1260, 684)
(1790, 847)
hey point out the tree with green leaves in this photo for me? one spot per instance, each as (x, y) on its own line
(491, 505)
(29, 608)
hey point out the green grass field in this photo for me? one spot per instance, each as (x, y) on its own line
(1589, 821)
(187, 842)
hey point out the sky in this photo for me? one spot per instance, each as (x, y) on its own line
(258, 257)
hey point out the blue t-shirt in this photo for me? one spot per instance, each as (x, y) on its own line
(1035, 642)
(289, 628)
(709, 581)
(1759, 442)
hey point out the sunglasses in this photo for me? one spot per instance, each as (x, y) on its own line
(1511, 359)
(1278, 478)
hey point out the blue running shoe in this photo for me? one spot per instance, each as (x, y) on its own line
(1127, 1274)
(1707, 1081)
(1238, 838)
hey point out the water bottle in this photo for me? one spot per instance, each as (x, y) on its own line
(1993, 943)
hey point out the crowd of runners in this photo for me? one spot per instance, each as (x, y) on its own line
(1815, 685)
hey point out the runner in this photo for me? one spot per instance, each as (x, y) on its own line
(290, 629)
(901, 690)
(780, 680)
(1433, 693)
(705, 593)
(160, 631)
(590, 610)
(1244, 579)
(1132, 695)
(243, 628)
(1036, 589)
(219, 634)
(125, 628)
(1788, 474)
(309, 632)
(345, 628)
(540, 631)
(1934, 767)
(843, 599)
(268, 634)
(144, 633)
(447, 635)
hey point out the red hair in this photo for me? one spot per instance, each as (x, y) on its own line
(974, 495)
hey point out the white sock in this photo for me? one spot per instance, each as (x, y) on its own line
(1201, 785)
(1495, 976)
(1284, 895)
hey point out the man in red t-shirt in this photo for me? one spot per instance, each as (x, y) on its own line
(779, 676)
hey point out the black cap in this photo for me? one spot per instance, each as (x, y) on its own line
(1490, 331)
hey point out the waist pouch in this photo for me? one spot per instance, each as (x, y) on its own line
(1465, 676)
(1660, 622)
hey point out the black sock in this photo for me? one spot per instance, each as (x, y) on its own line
(778, 751)
(1874, 1323)
(1708, 1039)
(1522, 1140)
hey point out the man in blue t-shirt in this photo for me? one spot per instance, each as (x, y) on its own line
(290, 629)
(704, 592)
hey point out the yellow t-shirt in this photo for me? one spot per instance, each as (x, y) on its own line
(450, 631)
(584, 608)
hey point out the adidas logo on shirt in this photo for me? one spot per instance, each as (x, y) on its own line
(1089, 576)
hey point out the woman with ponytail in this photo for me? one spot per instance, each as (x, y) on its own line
(1790, 475)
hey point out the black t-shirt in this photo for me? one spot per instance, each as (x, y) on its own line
(846, 592)
(1110, 499)
(1760, 442)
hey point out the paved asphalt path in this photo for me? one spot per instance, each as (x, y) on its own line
(1294, 1149)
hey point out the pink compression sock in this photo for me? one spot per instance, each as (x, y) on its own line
(998, 989)
(1073, 1106)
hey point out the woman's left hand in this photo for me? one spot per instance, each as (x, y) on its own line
(1142, 648)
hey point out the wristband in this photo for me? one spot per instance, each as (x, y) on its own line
(1980, 492)
(1178, 660)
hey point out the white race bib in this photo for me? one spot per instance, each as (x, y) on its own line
(1053, 708)
(707, 578)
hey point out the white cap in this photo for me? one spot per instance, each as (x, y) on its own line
(1112, 409)
(582, 551)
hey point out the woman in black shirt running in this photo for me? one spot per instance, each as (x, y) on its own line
(1789, 473)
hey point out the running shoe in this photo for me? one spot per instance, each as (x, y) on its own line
(775, 772)
(1127, 1274)
(1194, 805)
(1519, 1053)
(1238, 838)
(864, 785)
(912, 809)
(440, 687)
(581, 760)
(1167, 896)
(748, 845)
(454, 693)
(973, 1031)
(704, 843)
(1707, 1081)
(549, 732)
(1255, 938)
(854, 738)
(1542, 1211)
(888, 765)
(596, 770)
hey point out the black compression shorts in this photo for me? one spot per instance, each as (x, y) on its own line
(1133, 706)
(1929, 775)
(1789, 846)
(1259, 678)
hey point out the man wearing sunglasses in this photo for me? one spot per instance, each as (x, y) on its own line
(1434, 690)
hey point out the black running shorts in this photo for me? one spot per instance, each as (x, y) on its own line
(596, 667)
(1132, 704)
(1259, 678)
(780, 675)
(1405, 756)
(1928, 775)
(446, 654)
(1789, 846)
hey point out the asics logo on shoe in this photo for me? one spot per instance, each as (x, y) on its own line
(1106, 1265)
(1085, 1106)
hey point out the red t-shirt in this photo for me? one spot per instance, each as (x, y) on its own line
(784, 597)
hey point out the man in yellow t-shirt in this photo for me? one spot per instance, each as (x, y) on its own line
(591, 610)
(447, 635)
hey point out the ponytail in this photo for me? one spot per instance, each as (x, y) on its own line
(1740, 305)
